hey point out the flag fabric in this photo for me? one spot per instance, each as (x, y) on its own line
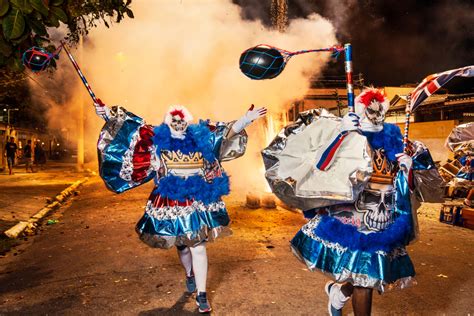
(433, 82)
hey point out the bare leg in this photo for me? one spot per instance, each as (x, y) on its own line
(362, 301)
(347, 289)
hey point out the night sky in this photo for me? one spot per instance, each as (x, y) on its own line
(394, 41)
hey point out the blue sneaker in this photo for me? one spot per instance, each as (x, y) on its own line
(190, 284)
(331, 309)
(201, 301)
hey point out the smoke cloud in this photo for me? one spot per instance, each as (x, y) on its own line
(187, 52)
(394, 41)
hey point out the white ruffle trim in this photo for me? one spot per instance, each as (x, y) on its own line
(308, 230)
(127, 165)
(173, 212)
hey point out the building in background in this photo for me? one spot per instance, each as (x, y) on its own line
(431, 123)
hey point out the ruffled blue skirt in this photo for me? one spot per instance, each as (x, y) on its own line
(186, 230)
(344, 261)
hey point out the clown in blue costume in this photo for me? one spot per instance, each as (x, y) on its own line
(461, 142)
(185, 208)
(353, 182)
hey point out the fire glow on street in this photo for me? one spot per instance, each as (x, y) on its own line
(240, 157)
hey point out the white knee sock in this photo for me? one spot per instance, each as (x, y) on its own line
(186, 260)
(337, 298)
(199, 255)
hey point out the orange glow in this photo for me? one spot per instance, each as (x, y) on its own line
(162, 58)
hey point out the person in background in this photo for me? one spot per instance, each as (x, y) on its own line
(10, 153)
(27, 153)
(40, 155)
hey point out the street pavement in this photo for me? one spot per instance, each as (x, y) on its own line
(25, 193)
(92, 263)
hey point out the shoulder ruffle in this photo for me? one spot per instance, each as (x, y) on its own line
(390, 139)
(198, 139)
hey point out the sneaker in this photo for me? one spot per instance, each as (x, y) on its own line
(201, 301)
(190, 284)
(331, 309)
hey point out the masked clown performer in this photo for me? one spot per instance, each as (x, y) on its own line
(353, 182)
(185, 208)
(461, 142)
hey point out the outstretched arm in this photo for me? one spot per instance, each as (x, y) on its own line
(326, 155)
(246, 120)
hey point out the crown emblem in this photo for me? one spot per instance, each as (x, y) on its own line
(384, 171)
(178, 160)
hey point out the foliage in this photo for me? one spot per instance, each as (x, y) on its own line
(26, 23)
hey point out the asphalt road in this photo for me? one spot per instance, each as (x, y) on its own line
(24, 193)
(92, 263)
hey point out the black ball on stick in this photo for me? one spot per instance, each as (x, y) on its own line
(37, 59)
(262, 62)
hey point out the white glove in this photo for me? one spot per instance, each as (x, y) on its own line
(350, 122)
(101, 109)
(248, 118)
(404, 161)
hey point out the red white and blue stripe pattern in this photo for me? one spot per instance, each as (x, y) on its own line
(433, 82)
(325, 161)
(407, 124)
(336, 50)
(349, 83)
(83, 78)
(427, 87)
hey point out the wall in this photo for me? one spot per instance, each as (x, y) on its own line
(433, 135)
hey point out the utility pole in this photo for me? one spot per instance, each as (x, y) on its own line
(8, 119)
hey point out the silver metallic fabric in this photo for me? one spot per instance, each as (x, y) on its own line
(290, 163)
(461, 139)
(118, 116)
(429, 185)
(461, 143)
(185, 207)
(229, 148)
(115, 139)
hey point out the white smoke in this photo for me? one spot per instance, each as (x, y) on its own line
(187, 52)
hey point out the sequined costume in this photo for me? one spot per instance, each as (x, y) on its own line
(364, 242)
(185, 207)
(360, 212)
(461, 142)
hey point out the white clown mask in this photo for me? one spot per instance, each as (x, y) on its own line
(177, 118)
(371, 106)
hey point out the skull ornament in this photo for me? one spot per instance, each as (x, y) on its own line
(371, 105)
(375, 113)
(377, 206)
(178, 124)
(178, 118)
